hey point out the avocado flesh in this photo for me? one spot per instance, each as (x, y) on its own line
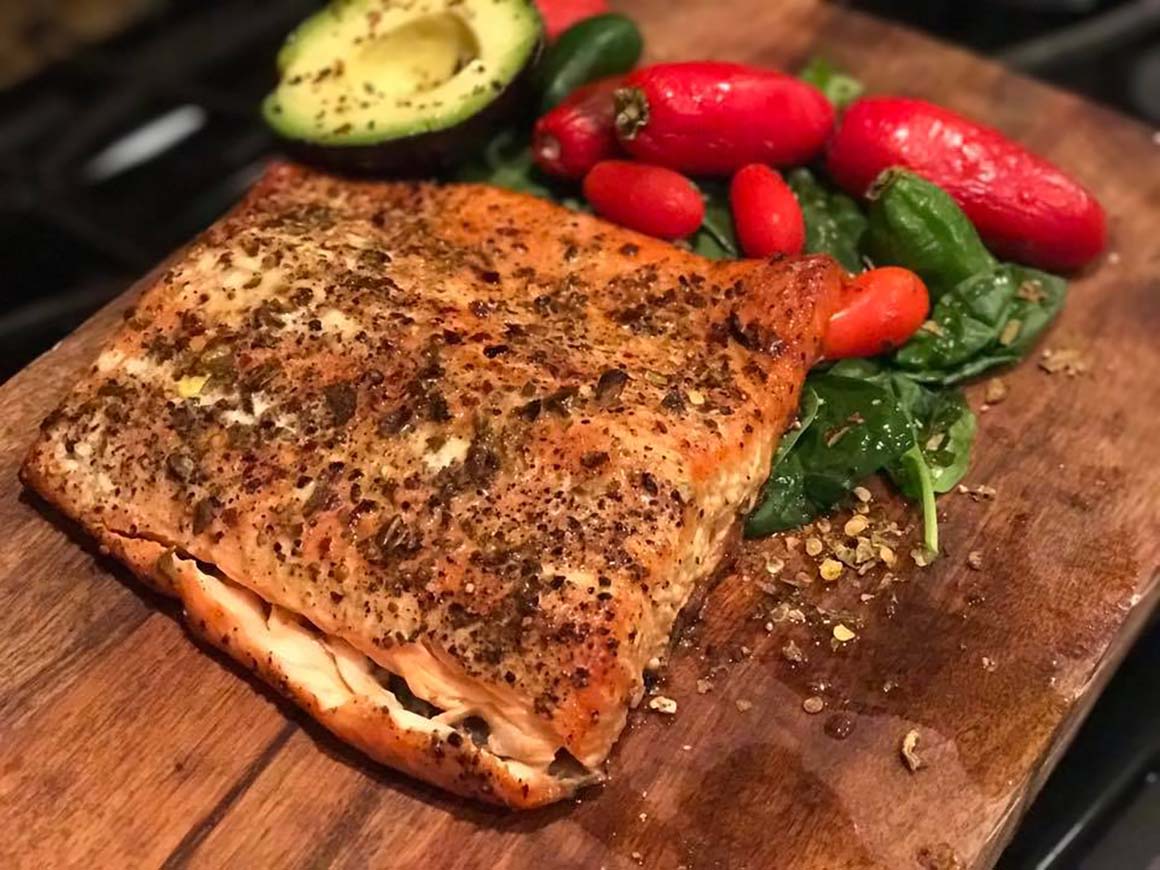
(366, 72)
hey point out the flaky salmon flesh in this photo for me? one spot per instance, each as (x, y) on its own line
(441, 463)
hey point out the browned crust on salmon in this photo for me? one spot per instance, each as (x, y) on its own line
(487, 444)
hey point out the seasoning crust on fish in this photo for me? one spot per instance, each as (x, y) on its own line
(442, 463)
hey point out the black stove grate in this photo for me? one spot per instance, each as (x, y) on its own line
(117, 155)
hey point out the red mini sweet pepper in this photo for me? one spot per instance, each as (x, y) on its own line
(712, 118)
(1024, 207)
(577, 134)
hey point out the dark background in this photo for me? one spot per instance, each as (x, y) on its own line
(128, 125)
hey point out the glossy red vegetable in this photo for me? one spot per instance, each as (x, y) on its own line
(559, 15)
(879, 310)
(1025, 208)
(577, 134)
(766, 214)
(712, 118)
(649, 199)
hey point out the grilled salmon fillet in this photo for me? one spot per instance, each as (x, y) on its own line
(442, 463)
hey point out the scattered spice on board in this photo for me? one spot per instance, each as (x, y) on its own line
(975, 560)
(744, 706)
(856, 525)
(664, 705)
(982, 492)
(922, 556)
(996, 391)
(1068, 360)
(842, 634)
(704, 686)
(909, 751)
(793, 653)
(830, 570)
(813, 705)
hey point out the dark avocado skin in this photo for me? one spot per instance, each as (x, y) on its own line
(426, 154)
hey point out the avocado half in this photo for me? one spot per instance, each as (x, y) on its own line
(402, 86)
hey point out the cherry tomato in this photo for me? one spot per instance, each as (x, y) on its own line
(879, 310)
(766, 214)
(649, 199)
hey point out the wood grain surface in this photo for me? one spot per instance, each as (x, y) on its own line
(122, 744)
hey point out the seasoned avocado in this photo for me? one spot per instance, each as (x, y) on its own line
(381, 84)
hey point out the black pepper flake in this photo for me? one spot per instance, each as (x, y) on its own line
(560, 402)
(342, 400)
(180, 466)
(649, 483)
(438, 410)
(396, 420)
(754, 336)
(530, 411)
(494, 350)
(395, 539)
(674, 401)
(611, 385)
(594, 460)
(320, 499)
(203, 513)
(580, 678)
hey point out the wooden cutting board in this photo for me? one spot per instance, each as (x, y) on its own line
(123, 744)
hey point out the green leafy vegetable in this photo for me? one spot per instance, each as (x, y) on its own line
(782, 503)
(840, 88)
(943, 423)
(835, 223)
(916, 224)
(716, 239)
(856, 429)
(988, 320)
(857, 418)
(506, 161)
(912, 470)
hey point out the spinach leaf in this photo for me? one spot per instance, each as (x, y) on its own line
(912, 473)
(857, 428)
(716, 239)
(840, 89)
(835, 223)
(506, 161)
(943, 423)
(988, 320)
(782, 499)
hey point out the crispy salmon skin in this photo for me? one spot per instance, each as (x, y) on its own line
(442, 463)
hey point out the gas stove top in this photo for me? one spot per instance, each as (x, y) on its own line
(121, 152)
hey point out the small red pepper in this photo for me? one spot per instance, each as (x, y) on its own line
(878, 311)
(578, 133)
(1025, 208)
(712, 118)
(649, 199)
(766, 214)
(559, 15)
